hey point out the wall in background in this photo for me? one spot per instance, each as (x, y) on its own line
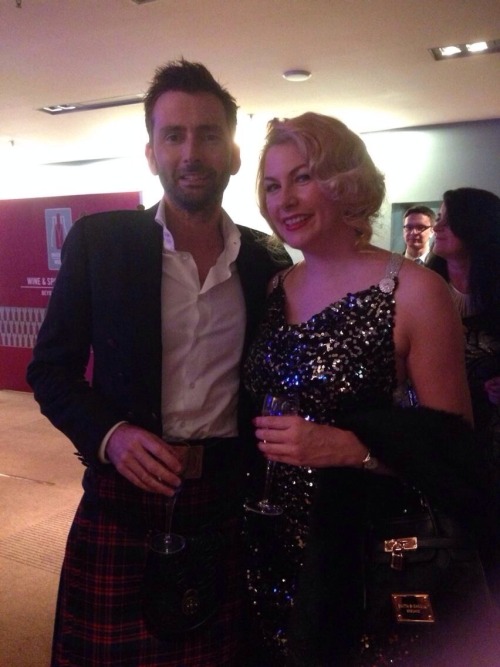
(32, 232)
(419, 164)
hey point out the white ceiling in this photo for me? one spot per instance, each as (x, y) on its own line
(369, 59)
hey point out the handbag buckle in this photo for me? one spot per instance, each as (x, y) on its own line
(396, 547)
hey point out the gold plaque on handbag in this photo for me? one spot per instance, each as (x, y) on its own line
(412, 608)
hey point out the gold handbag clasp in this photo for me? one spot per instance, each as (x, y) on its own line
(396, 547)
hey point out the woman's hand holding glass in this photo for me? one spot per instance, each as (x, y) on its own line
(299, 442)
(279, 405)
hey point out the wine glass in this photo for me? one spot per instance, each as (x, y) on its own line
(167, 542)
(280, 404)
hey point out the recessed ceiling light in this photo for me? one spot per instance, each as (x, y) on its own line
(449, 51)
(296, 75)
(470, 49)
(477, 47)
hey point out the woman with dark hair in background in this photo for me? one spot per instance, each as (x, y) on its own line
(467, 254)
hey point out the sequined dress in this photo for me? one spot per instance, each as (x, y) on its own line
(341, 359)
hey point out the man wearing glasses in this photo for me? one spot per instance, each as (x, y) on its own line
(418, 223)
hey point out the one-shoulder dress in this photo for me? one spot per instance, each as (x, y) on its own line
(341, 359)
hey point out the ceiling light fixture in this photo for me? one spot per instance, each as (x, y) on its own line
(296, 75)
(461, 50)
(58, 109)
(477, 47)
(447, 51)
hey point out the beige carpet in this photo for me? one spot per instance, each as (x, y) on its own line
(39, 490)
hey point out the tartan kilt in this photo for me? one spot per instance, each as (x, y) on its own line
(99, 618)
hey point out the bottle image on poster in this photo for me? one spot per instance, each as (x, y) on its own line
(58, 222)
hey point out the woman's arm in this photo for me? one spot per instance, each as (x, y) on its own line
(430, 342)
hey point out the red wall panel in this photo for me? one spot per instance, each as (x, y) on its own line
(31, 234)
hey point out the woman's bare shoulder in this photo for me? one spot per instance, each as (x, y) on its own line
(414, 278)
(423, 298)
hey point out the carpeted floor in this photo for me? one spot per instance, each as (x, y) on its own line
(39, 490)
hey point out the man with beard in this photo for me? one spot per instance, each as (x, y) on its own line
(167, 300)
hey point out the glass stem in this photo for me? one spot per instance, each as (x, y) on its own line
(268, 481)
(169, 507)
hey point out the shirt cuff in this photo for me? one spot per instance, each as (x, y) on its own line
(101, 454)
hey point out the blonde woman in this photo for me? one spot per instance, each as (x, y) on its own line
(347, 329)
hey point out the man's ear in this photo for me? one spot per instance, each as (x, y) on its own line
(150, 157)
(235, 159)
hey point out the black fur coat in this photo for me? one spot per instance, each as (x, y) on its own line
(428, 450)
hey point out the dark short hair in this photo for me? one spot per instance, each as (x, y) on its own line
(424, 210)
(184, 76)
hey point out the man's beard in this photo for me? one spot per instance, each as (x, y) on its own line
(196, 199)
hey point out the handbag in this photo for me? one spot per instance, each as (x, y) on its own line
(422, 571)
(181, 591)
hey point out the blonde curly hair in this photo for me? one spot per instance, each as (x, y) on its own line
(338, 159)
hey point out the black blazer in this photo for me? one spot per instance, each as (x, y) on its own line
(107, 298)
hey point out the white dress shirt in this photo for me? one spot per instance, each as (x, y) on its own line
(203, 328)
(422, 259)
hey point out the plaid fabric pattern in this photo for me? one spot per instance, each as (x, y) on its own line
(99, 620)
